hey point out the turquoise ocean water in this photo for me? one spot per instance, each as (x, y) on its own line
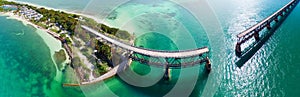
(26, 66)
(164, 25)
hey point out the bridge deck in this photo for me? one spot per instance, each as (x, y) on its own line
(266, 21)
(148, 52)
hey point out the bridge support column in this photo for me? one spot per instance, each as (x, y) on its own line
(276, 19)
(167, 75)
(256, 36)
(269, 26)
(238, 49)
(281, 13)
(208, 64)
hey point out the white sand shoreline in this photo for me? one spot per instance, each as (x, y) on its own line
(50, 40)
(66, 11)
(52, 43)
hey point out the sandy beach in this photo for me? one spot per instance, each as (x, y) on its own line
(77, 13)
(53, 44)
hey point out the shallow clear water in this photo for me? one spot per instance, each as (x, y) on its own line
(272, 71)
(26, 67)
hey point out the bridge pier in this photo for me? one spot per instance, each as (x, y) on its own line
(281, 14)
(287, 10)
(163, 59)
(269, 26)
(238, 49)
(276, 19)
(266, 23)
(256, 36)
(167, 75)
(208, 64)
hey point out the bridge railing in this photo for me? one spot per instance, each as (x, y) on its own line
(266, 23)
(259, 26)
(129, 47)
(177, 51)
(170, 62)
(172, 51)
(113, 37)
(201, 54)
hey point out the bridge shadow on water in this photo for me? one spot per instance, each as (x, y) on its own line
(254, 47)
(163, 86)
(135, 79)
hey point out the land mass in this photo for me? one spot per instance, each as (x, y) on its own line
(90, 58)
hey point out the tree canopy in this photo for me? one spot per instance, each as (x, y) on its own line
(67, 21)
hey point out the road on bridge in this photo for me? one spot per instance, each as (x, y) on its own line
(148, 52)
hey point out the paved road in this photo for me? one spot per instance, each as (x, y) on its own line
(152, 53)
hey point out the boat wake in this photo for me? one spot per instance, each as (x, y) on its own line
(20, 33)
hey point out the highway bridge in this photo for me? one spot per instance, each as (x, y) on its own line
(254, 31)
(160, 58)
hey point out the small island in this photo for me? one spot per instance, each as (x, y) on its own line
(89, 57)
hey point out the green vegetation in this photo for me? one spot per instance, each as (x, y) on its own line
(76, 62)
(58, 21)
(67, 21)
(123, 35)
(68, 40)
(59, 58)
(41, 25)
(3, 2)
(101, 69)
(116, 32)
(62, 20)
(103, 52)
(82, 34)
(54, 30)
(105, 29)
(70, 75)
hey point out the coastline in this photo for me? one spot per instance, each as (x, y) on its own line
(52, 43)
(66, 11)
(55, 44)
